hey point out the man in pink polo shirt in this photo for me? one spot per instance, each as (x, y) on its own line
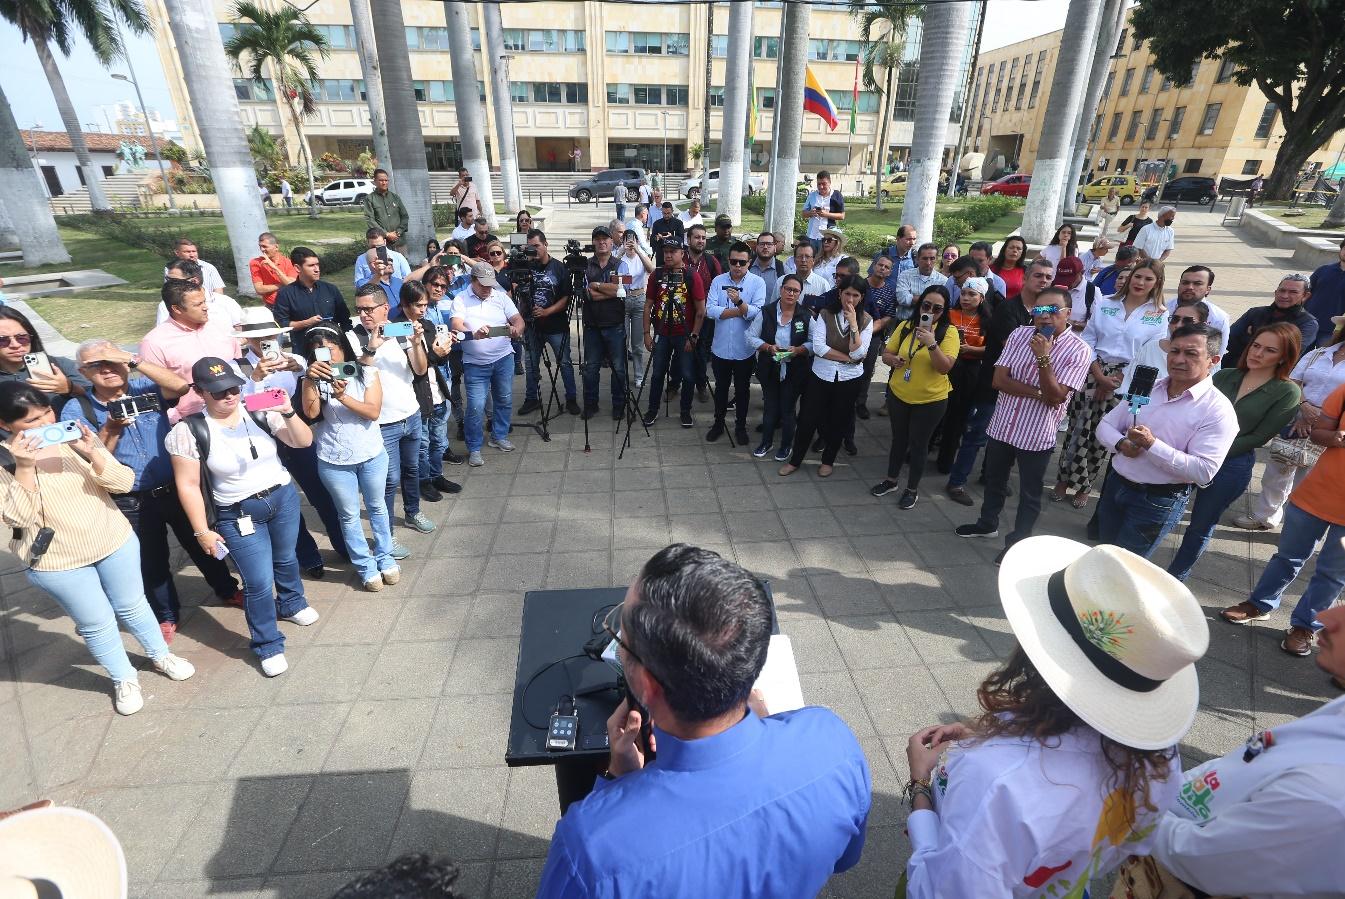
(187, 335)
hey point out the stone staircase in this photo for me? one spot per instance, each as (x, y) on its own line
(122, 190)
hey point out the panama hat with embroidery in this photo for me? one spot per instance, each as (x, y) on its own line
(1113, 635)
(58, 851)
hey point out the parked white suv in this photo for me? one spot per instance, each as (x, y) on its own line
(347, 191)
(691, 187)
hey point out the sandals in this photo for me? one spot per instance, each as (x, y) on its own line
(1079, 500)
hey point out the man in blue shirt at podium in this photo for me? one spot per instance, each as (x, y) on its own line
(728, 803)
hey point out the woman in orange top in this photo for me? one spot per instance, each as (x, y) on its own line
(971, 317)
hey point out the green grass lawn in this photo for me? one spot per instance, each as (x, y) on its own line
(859, 213)
(125, 313)
(1302, 217)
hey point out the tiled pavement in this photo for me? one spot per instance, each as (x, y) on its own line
(388, 732)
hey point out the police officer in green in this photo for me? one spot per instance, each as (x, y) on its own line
(384, 209)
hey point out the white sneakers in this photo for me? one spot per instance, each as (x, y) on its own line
(1251, 523)
(128, 698)
(373, 585)
(503, 446)
(474, 459)
(305, 616)
(392, 576)
(174, 667)
(274, 665)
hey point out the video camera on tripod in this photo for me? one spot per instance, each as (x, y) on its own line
(522, 268)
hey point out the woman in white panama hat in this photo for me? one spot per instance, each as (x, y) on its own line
(1065, 773)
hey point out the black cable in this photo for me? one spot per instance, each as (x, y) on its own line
(523, 697)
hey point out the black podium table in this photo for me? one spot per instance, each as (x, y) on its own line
(551, 664)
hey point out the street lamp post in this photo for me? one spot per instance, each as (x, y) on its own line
(149, 127)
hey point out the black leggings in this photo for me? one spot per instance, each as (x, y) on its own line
(828, 406)
(912, 426)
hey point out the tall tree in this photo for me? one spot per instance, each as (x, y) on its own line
(882, 28)
(1113, 14)
(214, 104)
(467, 103)
(406, 142)
(285, 44)
(25, 201)
(56, 22)
(373, 78)
(1293, 50)
(941, 49)
(1068, 85)
(737, 77)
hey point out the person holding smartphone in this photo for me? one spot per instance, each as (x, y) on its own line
(55, 502)
(431, 388)
(351, 460)
(54, 375)
(241, 501)
(489, 317)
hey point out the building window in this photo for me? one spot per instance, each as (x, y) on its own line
(1165, 85)
(1226, 67)
(1036, 80)
(903, 95)
(766, 47)
(1251, 167)
(544, 40)
(1192, 167)
(1175, 126)
(1106, 87)
(426, 38)
(868, 101)
(647, 94)
(1121, 165)
(1211, 118)
(339, 37)
(618, 94)
(1147, 80)
(719, 45)
(1121, 40)
(1267, 121)
(1115, 126)
(1022, 84)
(999, 86)
(649, 43)
(342, 90)
(1097, 128)
(1126, 82)
(765, 98)
(1154, 124)
(825, 50)
(442, 91)
(1013, 76)
(1133, 128)
(1195, 73)
(247, 89)
(1136, 43)
(717, 97)
(548, 92)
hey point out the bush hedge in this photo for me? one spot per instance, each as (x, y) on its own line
(133, 230)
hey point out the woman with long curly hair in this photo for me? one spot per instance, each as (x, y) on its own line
(1073, 758)
(1117, 327)
(1011, 263)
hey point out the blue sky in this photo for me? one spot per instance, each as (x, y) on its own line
(90, 84)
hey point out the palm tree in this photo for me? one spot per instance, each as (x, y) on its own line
(941, 47)
(373, 78)
(48, 22)
(282, 42)
(1068, 84)
(889, 20)
(24, 200)
(219, 123)
(406, 141)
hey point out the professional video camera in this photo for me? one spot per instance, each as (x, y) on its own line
(521, 269)
(575, 260)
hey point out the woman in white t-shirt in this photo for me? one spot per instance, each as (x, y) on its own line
(1073, 759)
(242, 500)
(352, 461)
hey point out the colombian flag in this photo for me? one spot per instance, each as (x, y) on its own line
(816, 101)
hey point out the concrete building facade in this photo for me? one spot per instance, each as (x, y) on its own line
(593, 84)
(1210, 126)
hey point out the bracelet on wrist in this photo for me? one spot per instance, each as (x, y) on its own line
(916, 788)
(1043, 360)
(288, 415)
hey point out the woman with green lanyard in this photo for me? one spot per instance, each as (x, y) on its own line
(920, 352)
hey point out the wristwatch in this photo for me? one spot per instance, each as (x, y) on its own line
(289, 414)
(134, 363)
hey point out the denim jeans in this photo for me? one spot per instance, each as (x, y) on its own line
(635, 336)
(150, 517)
(1136, 519)
(1298, 539)
(267, 563)
(972, 440)
(401, 440)
(347, 484)
(612, 343)
(433, 442)
(498, 378)
(97, 596)
(560, 351)
(671, 353)
(302, 464)
(1230, 481)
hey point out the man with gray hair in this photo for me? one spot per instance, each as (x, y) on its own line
(137, 441)
(1157, 239)
(1293, 291)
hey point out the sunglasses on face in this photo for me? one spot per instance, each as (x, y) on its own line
(17, 340)
(1045, 310)
(368, 310)
(495, 254)
(949, 255)
(931, 307)
(737, 262)
(224, 394)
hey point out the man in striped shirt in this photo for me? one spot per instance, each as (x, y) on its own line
(1041, 367)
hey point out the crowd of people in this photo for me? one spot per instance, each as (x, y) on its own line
(227, 412)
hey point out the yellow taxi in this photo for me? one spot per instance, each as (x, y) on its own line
(1128, 188)
(894, 185)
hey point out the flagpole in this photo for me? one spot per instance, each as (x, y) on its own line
(854, 113)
